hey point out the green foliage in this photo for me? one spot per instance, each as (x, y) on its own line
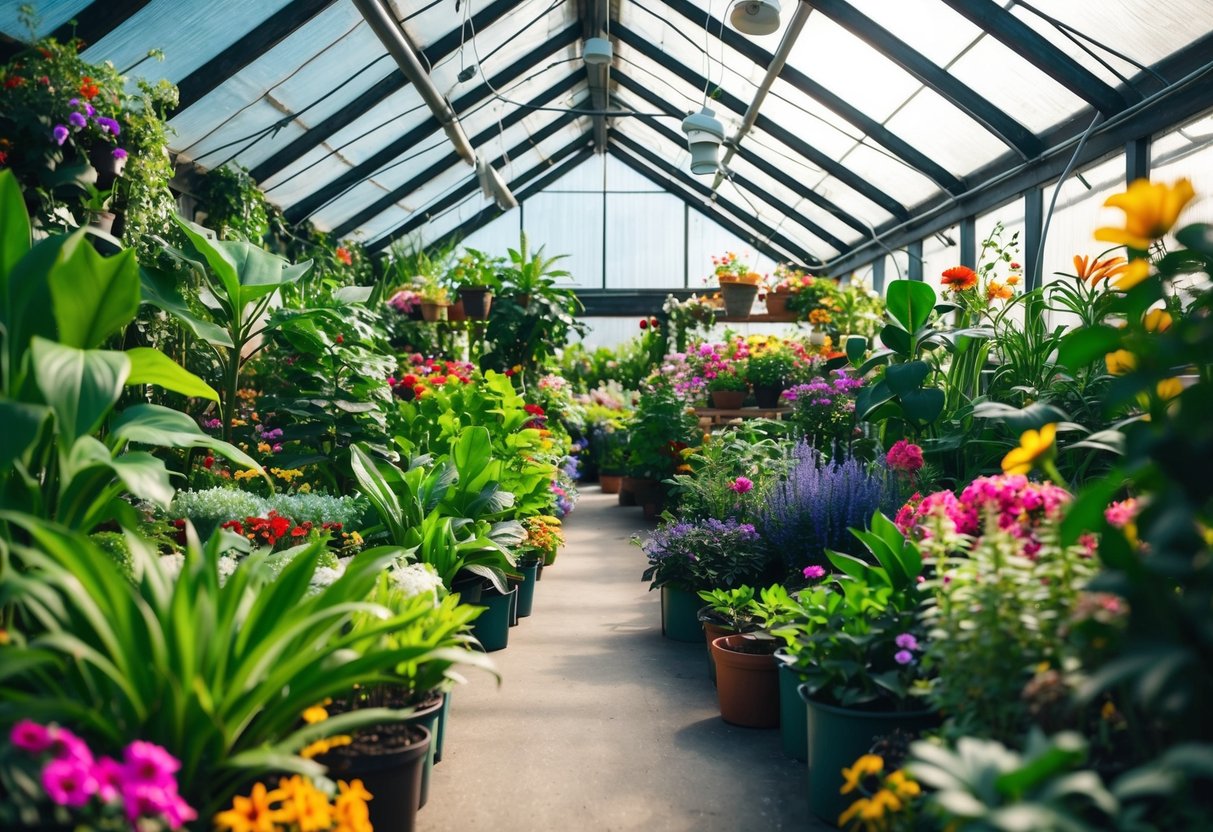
(747, 451)
(659, 431)
(235, 207)
(770, 368)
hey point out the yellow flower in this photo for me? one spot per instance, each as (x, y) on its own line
(1150, 211)
(350, 807)
(1120, 362)
(902, 785)
(1158, 320)
(1169, 388)
(1033, 445)
(252, 813)
(304, 805)
(854, 811)
(315, 714)
(306, 488)
(1132, 274)
(864, 766)
(246, 474)
(264, 448)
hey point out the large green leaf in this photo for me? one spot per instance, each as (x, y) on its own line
(144, 476)
(151, 424)
(81, 386)
(1083, 346)
(902, 378)
(149, 366)
(923, 406)
(14, 228)
(910, 303)
(93, 296)
(22, 426)
(217, 260)
(159, 291)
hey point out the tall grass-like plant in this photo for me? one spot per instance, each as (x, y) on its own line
(217, 672)
(815, 505)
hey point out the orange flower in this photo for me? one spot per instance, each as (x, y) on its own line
(1093, 272)
(343, 254)
(1013, 280)
(1150, 211)
(1135, 272)
(997, 291)
(87, 88)
(960, 278)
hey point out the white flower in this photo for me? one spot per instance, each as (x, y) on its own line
(417, 579)
(326, 576)
(172, 564)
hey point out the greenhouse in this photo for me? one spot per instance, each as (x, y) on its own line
(715, 415)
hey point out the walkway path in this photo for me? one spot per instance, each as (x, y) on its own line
(600, 724)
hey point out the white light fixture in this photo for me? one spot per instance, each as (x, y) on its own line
(755, 17)
(598, 51)
(704, 135)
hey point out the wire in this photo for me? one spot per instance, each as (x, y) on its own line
(1065, 174)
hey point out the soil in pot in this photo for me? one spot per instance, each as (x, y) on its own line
(747, 680)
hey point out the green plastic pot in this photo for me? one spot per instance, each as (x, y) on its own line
(428, 718)
(444, 717)
(492, 628)
(839, 737)
(793, 712)
(526, 589)
(680, 615)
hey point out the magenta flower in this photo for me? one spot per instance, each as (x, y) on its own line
(60, 134)
(145, 762)
(67, 746)
(1122, 513)
(68, 782)
(118, 153)
(108, 774)
(903, 657)
(906, 641)
(742, 485)
(30, 736)
(814, 572)
(904, 456)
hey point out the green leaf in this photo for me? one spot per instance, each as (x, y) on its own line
(22, 426)
(151, 424)
(870, 398)
(93, 296)
(1033, 417)
(159, 291)
(923, 406)
(353, 294)
(1084, 346)
(856, 348)
(144, 476)
(149, 366)
(1198, 236)
(81, 386)
(14, 228)
(910, 303)
(1086, 513)
(896, 339)
(902, 378)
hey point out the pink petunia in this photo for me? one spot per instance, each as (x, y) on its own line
(68, 782)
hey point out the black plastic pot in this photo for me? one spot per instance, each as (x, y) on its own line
(767, 396)
(470, 587)
(526, 589)
(394, 780)
(492, 628)
(427, 718)
(477, 300)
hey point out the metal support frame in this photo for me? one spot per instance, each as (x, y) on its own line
(878, 275)
(1033, 235)
(692, 186)
(1008, 130)
(626, 303)
(1137, 160)
(777, 131)
(968, 242)
(90, 24)
(914, 269)
(594, 20)
(264, 37)
(1037, 50)
(311, 203)
(387, 201)
(438, 51)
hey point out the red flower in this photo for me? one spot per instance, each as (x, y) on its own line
(14, 82)
(343, 254)
(3, 158)
(340, 339)
(534, 410)
(208, 462)
(87, 88)
(233, 526)
(960, 278)
(644, 323)
(653, 322)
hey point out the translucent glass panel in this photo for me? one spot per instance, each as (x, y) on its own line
(706, 239)
(1188, 152)
(1078, 213)
(644, 241)
(939, 252)
(496, 237)
(1144, 30)
(927, 26)
(568, 223)
(952, 139)
(619, 177)
(51, 14)
(608, 332)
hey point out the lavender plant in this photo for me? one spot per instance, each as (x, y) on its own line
(812, 507)
(705, 554)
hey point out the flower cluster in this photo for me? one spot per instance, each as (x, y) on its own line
(425, 374)
(273, 527)
(824, 409)
(417, 579)
(705, 554)
(143, 783)
(405, 301)
(883, 794)
(298, 804)
(1012, 502)
(904, 457)
(729, 268)
(543, 536)
(84, 120)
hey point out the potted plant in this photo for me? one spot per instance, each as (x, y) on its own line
(613, 460)
(769, 372)
(530, 273)
(434, 299)
(475, 276)
(729, 389)
(98, 207)
(686, 557)
(737, 610)
(738, 284)
(658, 433)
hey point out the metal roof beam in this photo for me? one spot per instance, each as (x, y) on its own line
(261, 39)
(900, 148)
(594, 17)
(388, 200)
(311, 203)
(754, 159)
(421, 217)
(977, 107)
(440, 49)
(693, 186)
(724, 221)
(1037, 50)
(843, 174)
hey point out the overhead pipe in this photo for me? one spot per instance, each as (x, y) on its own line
(388, 30)
(795, 25)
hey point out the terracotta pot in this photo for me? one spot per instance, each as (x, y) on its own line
(647, 491)
(728, 399)
(627, 491)
(746, 684)
(712, 631)
(433, 311)
(738, 298)
(455, 312)
(777, 303)
(477, 300)
(610, 483)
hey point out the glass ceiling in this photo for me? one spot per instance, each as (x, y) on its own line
(882, 110)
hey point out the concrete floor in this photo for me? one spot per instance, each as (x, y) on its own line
(600, 723)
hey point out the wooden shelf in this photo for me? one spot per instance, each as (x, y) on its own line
(764, 318)
(709, 416)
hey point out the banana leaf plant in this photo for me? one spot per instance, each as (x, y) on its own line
(60, 301)
(238, 282)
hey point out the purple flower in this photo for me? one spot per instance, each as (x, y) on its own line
(814, 572)
(90, 109)
(73, 102)
(118, 153)
(77, 120)
(903, 657)
(213, 424)
(906, 641)
(741, 485)
(68, 782)
(108, 125)
(60, 133)
(30, 736)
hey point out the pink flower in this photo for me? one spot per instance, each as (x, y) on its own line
(1122, 513)
(30, 736)
(905, 457)
(68, 782)
(741, 485)
(903, 657)
(67, 746)
(108, 774)
(147, 762)
(814, 572)
(906, 641)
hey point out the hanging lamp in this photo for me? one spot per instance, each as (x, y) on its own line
(755, 17)
(598, 51)
(704, 136)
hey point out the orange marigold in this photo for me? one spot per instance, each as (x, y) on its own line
(960, 278)
(997, 291)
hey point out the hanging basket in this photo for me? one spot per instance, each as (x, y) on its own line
(738, 298)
